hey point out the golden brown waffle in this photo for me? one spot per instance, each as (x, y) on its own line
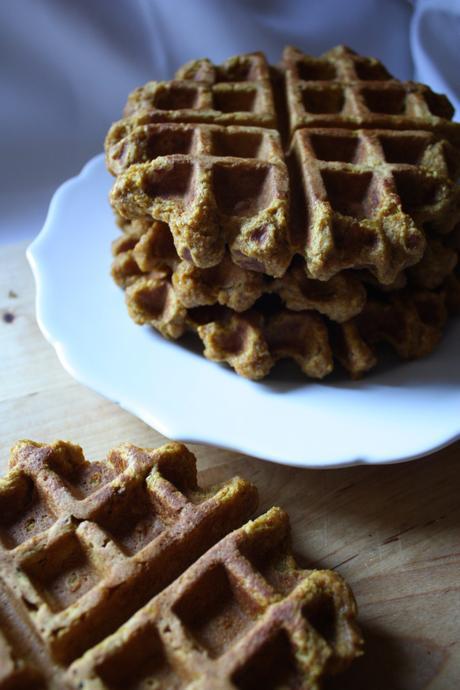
(238, 92)
(152, 255)
(437, 263)
(227, 284)
(251, 338)
(339, 298)
(361, 199)
(411, 322)
(145, 246)
(244, 615)
(343, 89)
(356, 246)
(85, 547)
(228, 187)
(152, 300)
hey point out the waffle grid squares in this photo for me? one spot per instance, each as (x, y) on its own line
(342, 89)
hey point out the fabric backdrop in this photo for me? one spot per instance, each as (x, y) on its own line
(66, 67)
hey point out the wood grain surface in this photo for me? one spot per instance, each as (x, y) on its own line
(392, 531)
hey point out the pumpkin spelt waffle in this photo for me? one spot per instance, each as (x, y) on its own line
(216, 187)
(343, 89)
(133, 541)
(348, 217)
(359, 199)
(147, 249)
(411, 321)
(238, 92)
(315, 323)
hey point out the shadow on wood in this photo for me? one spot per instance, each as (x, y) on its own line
(390, 664)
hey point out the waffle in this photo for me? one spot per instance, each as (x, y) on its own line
(335, 201)
(227, 284)
(411, 323)
(133, 542)
(362, 197)
(146, 245)
(238, 92)
(315, 323)
(339, 298)
(152, 300)
(227, 187)
(343, 89)
(84, 545)
(436, 265)
(240, 615)
(152, 252)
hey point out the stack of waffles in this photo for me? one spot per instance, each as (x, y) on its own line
(126, 575)
(308, 211)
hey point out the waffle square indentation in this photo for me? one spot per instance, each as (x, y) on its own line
(130, 519)
(323, 101)
(213, 611)
(23, 512)
(140, 664)
(271, 668)
(62, 572)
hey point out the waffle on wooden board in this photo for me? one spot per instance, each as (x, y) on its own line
(126, 574)
(321, 193)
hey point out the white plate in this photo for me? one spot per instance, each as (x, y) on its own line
(397, 413)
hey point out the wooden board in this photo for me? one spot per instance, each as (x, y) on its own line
(393, 532)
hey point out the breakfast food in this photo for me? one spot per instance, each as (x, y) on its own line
(125, 573)
(304, 211)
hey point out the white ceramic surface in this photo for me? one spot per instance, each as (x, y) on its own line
(397, 413)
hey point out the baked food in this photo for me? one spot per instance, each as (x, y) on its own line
(204, 599)
(326, 200)
(342, 323)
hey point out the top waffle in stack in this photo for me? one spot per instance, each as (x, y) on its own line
(363, 192)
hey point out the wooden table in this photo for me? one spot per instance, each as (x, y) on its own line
(393, 532)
